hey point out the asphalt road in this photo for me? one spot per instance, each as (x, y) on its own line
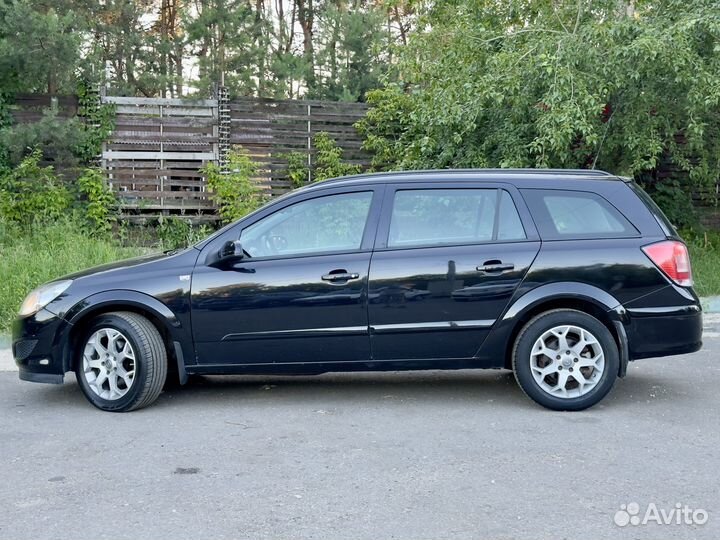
(430, 455)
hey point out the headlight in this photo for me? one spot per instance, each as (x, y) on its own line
(42, 296)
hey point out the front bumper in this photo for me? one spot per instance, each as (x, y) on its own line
(37, 349)
(655, 332)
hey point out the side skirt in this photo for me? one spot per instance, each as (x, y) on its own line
(315, 368)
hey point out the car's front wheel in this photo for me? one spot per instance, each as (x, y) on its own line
(565, 360)
(122, 362)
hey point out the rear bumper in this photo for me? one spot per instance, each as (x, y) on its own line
(666, 331)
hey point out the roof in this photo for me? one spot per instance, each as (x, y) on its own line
(494, 175)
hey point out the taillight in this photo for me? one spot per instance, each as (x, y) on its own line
(673, 259)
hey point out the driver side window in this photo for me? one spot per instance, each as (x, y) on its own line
(324, 224)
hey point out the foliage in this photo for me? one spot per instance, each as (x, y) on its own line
(31, 193)
(226, 31)
(316, 48)
(390, 115)
(674, 201)
(99, 123)
(42, 252)
(232, 188)
(177, 232)
(40, 46)
(705, 257)
(354, 59)
(328, 160)
(59, 139)
(297, 169)
(535, 84)
(99, 201)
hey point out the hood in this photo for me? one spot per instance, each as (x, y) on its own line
(120, 265)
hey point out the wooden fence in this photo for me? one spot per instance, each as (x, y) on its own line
(271, 129)
(158, 146)
(155, 153)
(29, 108)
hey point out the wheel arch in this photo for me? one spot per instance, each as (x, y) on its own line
(564, 295)
(160, 315)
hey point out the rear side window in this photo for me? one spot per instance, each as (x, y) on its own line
(561, 215)
(430, 217)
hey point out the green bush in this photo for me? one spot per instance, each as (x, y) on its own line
(98, 203)
(328, 160)
(61, 139)
(177, 232)
(297, 170)
(232, 188)
(31, 193)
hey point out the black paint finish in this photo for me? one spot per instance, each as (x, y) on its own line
(450, 306)
(434, 303)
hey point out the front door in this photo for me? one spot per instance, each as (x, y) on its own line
(300, 294)
(445, 266)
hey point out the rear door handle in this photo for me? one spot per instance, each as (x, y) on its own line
(495, 268)
(341, 276)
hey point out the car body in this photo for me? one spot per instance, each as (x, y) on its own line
(392, 271)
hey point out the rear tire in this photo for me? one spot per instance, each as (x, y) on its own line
(122, 362)
(565, 360)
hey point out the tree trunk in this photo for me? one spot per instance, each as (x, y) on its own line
(306, 18)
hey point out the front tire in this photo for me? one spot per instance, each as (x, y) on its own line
(122, 362)
(565, 360)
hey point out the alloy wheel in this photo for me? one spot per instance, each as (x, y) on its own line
(109, 363)
(567, 361)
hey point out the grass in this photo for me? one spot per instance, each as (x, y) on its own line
(32, 257)
(706, 269)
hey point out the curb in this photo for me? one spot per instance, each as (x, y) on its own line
(710, 304)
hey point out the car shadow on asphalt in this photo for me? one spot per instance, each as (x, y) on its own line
(490, 388)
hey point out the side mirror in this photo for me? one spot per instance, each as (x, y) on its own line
(231, 251)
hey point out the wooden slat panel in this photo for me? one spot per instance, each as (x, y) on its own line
(119, 154)
(121, 100)
(153, 110)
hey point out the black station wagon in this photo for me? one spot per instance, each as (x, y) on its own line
(563, 276)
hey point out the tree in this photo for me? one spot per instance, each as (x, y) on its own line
(221, 34)
(39, 47)
(601, 84)
(352, 50)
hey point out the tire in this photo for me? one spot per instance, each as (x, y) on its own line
(126, 348)
(550, 371)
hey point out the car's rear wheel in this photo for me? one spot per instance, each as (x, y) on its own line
(565, 360)
(122, 362)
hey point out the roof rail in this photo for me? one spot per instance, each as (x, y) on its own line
(568, 172)
(559, 172)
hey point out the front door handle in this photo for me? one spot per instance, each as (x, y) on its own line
(340, 276)
(493, 267)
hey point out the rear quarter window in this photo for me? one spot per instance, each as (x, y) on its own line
(566, 215)
(662, 220)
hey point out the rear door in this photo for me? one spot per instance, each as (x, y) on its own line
(446, 263)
